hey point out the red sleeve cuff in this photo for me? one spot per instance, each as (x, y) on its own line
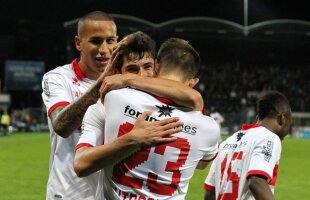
(258, 172)
(209, 187)
(56, 105)
(82, 145)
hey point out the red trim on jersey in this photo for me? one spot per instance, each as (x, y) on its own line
(165, 100)
(204, 111)
(172, 103)
(56, 105)
(211, 158)
(258, 172)
(249, 126)
(209, 187)
(77, 70)
(82, 145)
(274, 175)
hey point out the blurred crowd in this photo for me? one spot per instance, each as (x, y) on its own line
(232, 88)
(17, 121)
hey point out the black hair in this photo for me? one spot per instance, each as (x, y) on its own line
(93, 16)
(137, 44)
(271, 104)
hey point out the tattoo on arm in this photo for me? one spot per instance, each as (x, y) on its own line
(66, 119)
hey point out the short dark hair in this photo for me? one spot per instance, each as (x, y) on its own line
(138, 43)
(176, 53)
(93, 16)
(270, 104)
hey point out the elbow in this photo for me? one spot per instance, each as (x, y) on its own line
(60, 131)
(81, 165)
(79, 169)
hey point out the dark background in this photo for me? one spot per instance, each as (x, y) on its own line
(34, 30)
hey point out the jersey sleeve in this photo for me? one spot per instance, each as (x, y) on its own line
(211, 155)
(212, 150)
(55, 92)
(93, 126)
(210, 180)
(265, 158)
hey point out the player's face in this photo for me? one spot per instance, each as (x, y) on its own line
(143, 67)
(95, 43)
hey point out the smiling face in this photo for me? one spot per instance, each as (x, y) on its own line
(95, 43)
(143, 67)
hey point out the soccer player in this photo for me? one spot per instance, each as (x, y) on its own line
(67, 93)
(137, 66)
(162, 171)
(137, 58)
(247, 163)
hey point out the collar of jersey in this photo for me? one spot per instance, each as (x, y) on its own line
(77, 70)
(249, 126)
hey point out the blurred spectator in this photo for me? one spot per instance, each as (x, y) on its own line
(217, 117)
(18, 121)
(5, 123)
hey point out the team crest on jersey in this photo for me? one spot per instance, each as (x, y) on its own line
(75, 81)
(268, 151)
(165, 110)
(239, 136)
(46, 89)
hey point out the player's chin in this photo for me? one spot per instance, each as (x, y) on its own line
(101, 66)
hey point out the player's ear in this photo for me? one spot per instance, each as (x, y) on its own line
(281, 119)
(156, 67)
(193, 82)
(77, 41)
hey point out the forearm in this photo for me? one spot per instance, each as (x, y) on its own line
(144, 134)
(91, 159)
(260, 188)
(178, 92)
(70, 118)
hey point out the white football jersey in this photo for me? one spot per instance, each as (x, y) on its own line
(62, 86)
(254, 150)
(162, 171)
(93, 126)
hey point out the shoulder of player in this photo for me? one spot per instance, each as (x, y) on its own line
(208, 119)
(261, 136)
(60, 71)
(265, 133)
(94, 111)
(207, 124)
(96, 106)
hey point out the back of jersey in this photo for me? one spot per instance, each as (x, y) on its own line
(162, 171)
(254, 150)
